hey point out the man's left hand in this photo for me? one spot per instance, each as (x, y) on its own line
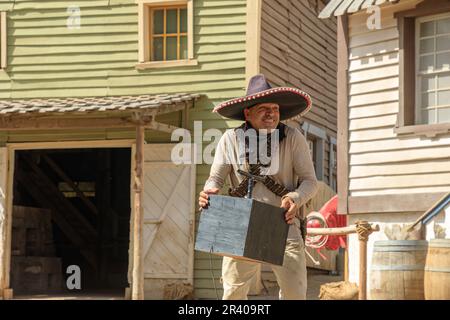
(291, 208)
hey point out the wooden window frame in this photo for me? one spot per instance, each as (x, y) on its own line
(407, 76)
(165, 35)
(3, 40)
(332, 165)
(319, 138)
(144, 31)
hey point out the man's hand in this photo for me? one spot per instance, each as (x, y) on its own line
(291, 208)
(203, 199)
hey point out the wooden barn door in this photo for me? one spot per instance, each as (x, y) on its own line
(168, 233)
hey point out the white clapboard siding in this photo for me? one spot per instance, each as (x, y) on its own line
(374, 49)
(401, 156)
(168, 221)
(374, 36)
(374, 73)
(440, 166)
(390, 191)
(372, 98)
(373, 122)
(396, 144)
(387, 83)
(374, 61)
(3, 186)
(379, 159)
(373, 110)
(372, 134)
(406, 181)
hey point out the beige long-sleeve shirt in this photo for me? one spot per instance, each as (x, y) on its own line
(294, 165)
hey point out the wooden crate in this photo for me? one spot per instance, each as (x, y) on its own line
(243, 228)
(32, 232)
(36, 274)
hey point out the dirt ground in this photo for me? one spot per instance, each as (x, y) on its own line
(316, 278)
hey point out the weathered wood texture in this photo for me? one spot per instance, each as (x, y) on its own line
(3, 213)
(243, 228)
(437, 270)
(168, 234)
(137, 288)
(99, 60)
(299, 49)
(382, 163)
(397, 270)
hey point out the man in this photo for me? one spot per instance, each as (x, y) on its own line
(290, 185)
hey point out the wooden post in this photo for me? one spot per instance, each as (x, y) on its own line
(362, 269)
(364, 230)
(138, 272)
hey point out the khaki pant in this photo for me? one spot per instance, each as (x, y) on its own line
(291, 277)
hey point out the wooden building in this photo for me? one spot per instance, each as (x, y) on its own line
(393, 111)
(90, 93)
(295, 48)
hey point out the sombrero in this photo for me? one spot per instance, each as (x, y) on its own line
(293, 102)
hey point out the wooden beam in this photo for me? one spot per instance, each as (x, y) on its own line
(413, 202)
(342, 106)
(37, 123)
(337, 231)
(138, 219)
(69, 181)
(158, 126)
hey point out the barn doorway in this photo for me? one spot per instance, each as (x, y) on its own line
(70, 217)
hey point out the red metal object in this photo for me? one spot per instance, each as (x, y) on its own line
(334, 220)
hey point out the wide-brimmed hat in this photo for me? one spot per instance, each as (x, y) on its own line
(292, 101)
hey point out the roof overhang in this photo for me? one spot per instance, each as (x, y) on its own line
(92, 112)
(341, 7)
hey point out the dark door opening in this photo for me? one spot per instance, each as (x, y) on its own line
(71, 209)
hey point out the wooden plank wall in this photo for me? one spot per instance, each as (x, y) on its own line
(46, 59)
(380, 161)
(299, 49)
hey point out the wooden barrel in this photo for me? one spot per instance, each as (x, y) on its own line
(437, 270)
(397, 270)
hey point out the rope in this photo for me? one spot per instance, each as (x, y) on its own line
(363, 229)
(316, 242)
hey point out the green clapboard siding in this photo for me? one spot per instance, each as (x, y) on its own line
(46, 59)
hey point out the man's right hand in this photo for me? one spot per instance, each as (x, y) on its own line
(203, 200)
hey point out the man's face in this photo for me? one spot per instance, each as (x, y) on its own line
(263, 116)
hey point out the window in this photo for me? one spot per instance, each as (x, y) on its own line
(168, 33)
(316, 138)
(165, 33)
(424, 56)
(433, 74)
(3, 37)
